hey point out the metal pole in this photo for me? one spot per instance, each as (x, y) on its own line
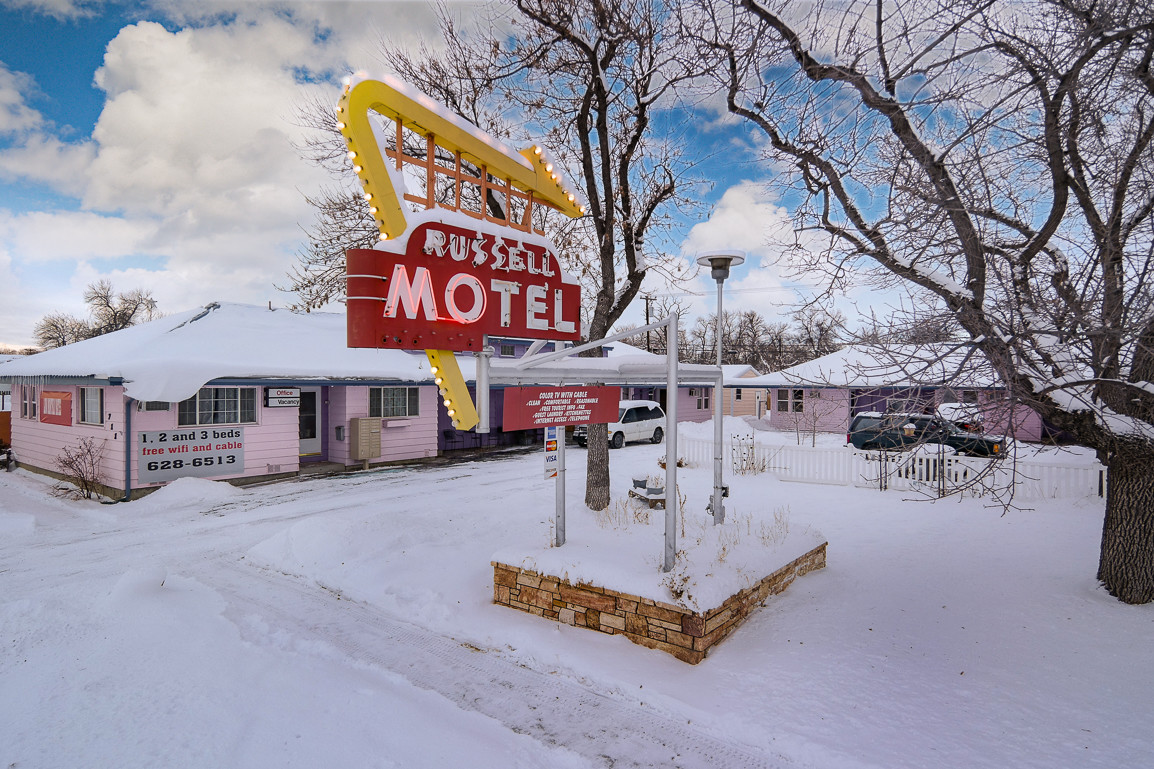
(671, 352)
(483, 358)
(559, 539)
(718, 416)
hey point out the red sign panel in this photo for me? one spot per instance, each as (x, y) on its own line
(529, 407)
(453, 285)
(56, 408)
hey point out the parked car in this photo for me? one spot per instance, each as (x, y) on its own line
(636, 421)
(897, 432)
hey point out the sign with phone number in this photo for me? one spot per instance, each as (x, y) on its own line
(199, 452)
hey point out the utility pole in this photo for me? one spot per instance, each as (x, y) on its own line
(647, 299)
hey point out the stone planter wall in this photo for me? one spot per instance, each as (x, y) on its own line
(685, 634)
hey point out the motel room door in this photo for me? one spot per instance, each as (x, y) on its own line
(310, 422)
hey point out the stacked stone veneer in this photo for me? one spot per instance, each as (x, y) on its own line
(685, 634)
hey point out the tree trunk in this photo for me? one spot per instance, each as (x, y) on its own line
(597, 468)
(1126, 566)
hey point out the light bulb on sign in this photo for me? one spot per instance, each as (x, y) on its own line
(352, 155)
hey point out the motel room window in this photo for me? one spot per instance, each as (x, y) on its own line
(703, 398)
(219, 406)
(791, 400)
(28, 407)
(737, 394)
(92, 405)
(394, 401)
(507, 351)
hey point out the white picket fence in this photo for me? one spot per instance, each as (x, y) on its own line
(923, 471)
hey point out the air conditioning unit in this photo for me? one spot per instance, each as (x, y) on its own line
(365, 438)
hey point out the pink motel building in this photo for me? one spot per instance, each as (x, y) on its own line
(242, 393)
(824, 394)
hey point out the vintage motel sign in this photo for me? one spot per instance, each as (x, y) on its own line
(472, 262)
(447, 286)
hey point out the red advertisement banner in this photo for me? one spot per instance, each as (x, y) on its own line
(56, 408)
(452, 285)
(530, 407)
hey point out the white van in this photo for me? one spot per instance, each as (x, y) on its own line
(636, 421)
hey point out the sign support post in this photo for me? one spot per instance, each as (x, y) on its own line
(559, 527)
(484, 355)
(671, 355)
(671, 376)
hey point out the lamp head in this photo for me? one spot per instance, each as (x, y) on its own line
(719, 263)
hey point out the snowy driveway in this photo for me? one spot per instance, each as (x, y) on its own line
(348, 622)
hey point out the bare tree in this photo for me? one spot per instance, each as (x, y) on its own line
(997, 159)
(108, 311)
(589, 81)
(818, 331)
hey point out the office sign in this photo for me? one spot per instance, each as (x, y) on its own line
(282, 397)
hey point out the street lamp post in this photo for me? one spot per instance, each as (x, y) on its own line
(719, 264)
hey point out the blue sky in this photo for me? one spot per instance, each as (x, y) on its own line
(152, 144)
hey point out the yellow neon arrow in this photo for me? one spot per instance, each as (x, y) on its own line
(526, 170)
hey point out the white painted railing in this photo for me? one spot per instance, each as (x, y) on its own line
(922, 471)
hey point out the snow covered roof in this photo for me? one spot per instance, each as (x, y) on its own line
(737, 373)
(171, 358)
(873, 365)
(624, 365)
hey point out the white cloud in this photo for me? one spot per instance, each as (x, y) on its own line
(746, 220)
(44, 159)
(46, 236)
(15, 114)
(190, 184)
(61, 10)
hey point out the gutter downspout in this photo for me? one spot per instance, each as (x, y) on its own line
(128, 404)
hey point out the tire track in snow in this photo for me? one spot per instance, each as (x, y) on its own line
(549, 708)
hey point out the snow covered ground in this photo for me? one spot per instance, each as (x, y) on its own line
(348, 622)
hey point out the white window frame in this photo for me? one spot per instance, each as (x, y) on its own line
(703, 398)
(387, 408)
(29, 403)
(87, 417)
(794, 399)
(212, 397)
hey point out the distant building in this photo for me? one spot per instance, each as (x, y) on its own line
(824, 394)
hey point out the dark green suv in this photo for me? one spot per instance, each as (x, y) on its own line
(897, 432)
